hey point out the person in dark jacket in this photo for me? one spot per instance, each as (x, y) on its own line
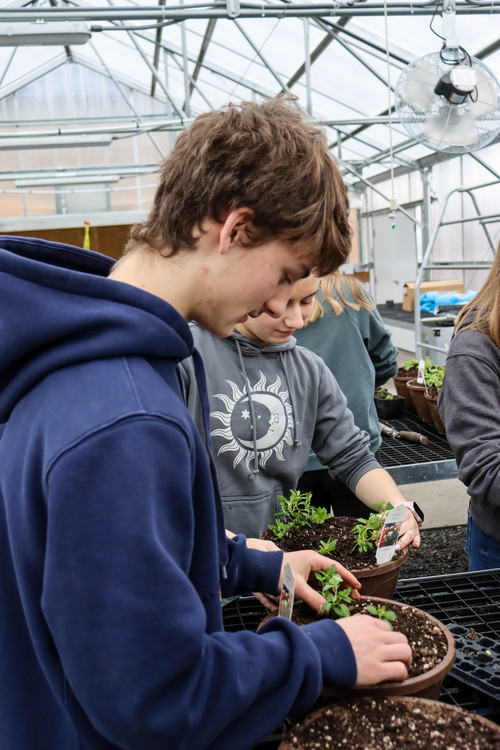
(113, 555)
(469, 405)
(345, 329)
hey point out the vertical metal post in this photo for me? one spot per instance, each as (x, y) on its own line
(307, 64)
(425, 175)
(187, 92)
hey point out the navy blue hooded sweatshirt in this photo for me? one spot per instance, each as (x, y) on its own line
(111, 535)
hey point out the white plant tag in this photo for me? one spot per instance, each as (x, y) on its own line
(421, 371)
(390, 534)
(287, 593)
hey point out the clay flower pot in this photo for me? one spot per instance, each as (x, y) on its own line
(400, 383)
(434, 412)
(426, 684)
(381, 580)
(409, 723)
(376, 580)
(417, 393)
(389, 408)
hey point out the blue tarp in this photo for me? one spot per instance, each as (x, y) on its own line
(430, 300)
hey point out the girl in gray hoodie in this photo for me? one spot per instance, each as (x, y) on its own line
(271, 402)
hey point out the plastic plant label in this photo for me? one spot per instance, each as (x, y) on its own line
(390, 534)
(421, 372)
(287, 593)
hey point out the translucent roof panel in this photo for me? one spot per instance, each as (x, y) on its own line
(148, 68)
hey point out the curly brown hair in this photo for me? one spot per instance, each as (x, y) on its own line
(264, 156)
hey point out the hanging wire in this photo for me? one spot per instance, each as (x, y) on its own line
(389, 103)
(251, 62)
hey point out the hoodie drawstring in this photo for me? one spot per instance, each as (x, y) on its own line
(255, 470)
(296, 440)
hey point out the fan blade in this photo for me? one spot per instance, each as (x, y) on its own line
(487, 98)
(450, 127)
(418, 87)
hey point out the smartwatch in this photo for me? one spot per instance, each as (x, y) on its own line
(417, 512)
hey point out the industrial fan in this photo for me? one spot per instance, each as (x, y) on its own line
(449, 101)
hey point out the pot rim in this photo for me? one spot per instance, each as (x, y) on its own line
(383, 568)
(411, 700)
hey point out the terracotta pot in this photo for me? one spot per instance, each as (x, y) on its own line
(417, 393)
(380, 580)
(425, 685)
(400, 382)
(389, 408)
(434, 411)
(342, 720)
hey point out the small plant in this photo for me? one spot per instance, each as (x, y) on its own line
(280, 528)
(435, 377)
(367, 530)
(337, 598)
(409, 364)
(381, 611)
(384, 394)
(328, 547)
(297, 511)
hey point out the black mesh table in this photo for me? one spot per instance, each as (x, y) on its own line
(410, 462)
(469, 604)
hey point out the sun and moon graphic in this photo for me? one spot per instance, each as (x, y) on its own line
(272, 410)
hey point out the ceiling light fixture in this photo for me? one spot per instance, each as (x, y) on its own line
(42, 33)
(53, 141)
(49, 181)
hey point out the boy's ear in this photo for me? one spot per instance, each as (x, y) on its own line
(234, 228)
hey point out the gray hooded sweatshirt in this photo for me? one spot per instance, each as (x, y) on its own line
(268, 407)
(469, 405)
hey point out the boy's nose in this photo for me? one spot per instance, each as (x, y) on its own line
(276, 305)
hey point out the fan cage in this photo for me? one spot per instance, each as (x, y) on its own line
(439, 124)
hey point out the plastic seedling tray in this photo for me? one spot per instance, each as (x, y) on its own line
(469, 604)
(477, 660)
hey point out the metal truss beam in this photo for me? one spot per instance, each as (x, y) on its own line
(247, 10)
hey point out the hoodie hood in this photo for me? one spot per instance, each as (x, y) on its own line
(250, 348)
(59, 309)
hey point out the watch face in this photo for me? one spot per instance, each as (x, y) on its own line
(418, 511)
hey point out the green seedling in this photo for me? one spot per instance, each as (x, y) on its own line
(409, 364)
(435, 377)
(279, 529)
(362, 542)
(297, 511)
(384, 394)
(367, 530)
(328, 547)
(337, 598)
(380, 611)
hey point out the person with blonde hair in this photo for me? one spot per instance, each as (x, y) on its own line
(469, 405)
(345, 329)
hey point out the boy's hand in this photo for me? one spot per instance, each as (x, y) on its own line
(305, 562)
(381, 653)
(265, 545)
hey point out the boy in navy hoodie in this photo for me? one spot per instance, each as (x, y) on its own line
(113, 555)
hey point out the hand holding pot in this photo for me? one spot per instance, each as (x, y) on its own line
(305, 562)
(381, 653)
